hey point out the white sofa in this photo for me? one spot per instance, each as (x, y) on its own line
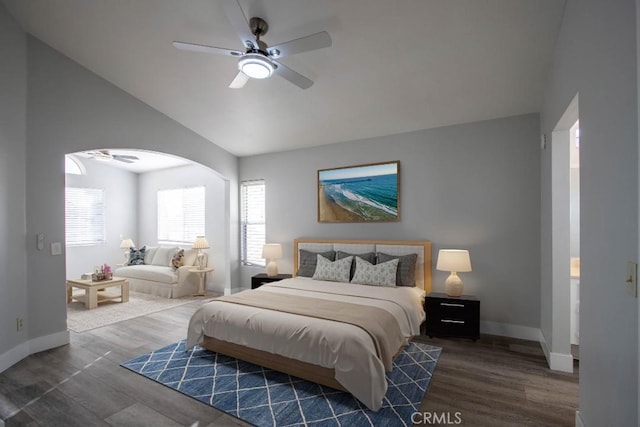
(157, 277)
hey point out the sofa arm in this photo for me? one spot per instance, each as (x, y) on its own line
(183, 273)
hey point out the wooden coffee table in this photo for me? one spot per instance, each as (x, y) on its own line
(94, 293)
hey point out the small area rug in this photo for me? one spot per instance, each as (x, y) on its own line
(80, 319)
(268, 398)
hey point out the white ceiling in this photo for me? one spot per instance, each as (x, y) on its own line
(394, 66)
(147, 161)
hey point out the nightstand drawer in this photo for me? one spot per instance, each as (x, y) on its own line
(452, 316)
(260, 279)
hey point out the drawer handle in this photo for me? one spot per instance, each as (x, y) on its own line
(452, 321)
(448, 304)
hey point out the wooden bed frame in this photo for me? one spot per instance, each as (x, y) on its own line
(314, 373)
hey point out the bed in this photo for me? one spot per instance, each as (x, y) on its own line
(353, 331)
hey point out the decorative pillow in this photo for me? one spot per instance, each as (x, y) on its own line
(308, 260)
(177, 260)
(163, 256)
(136, 256)
(369, 257)
(334, 271)
(383, 274)
(406, 274)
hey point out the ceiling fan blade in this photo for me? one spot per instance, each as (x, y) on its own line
(239, 81)
(303, 44)
(120, 159)
(239, 21)
(206, 49)
(293, 76)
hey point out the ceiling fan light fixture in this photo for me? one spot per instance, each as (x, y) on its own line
(256, 66)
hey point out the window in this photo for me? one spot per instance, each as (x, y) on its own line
(252, 221)
(180, 215)
(84, 215)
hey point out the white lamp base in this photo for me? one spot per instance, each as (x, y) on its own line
(272, 269)
(453, 285)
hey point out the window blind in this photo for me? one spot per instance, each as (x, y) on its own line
(84, 216)
(252, 221)
(181, 214)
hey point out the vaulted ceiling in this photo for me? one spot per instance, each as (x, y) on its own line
(394, 66)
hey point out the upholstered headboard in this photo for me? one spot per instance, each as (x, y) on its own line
(392, 247)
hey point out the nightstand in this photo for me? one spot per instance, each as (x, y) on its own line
(452, 316)
(262, 278)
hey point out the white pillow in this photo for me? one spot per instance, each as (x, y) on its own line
(336, 271)
(163, 256)
(149, 253)
(190, 257)
(379, 274)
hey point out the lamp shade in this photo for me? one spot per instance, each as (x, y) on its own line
(126, 244)
(453, 260)
(201, 243)
(272, 251)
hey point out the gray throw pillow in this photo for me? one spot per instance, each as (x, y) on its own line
(308, 260)
(406, 273)
(370, 257)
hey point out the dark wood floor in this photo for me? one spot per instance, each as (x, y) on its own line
(492, 382)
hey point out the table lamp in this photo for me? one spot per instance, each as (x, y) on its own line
(272, 251)
(200, 244)
(126, 244)
(454, 261)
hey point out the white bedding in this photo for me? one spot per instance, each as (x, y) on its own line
(346, 348)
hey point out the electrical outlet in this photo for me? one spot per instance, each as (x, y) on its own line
(631, 281)
(19, 323)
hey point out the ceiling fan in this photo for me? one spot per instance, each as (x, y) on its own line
(259, 61)
(105, 155)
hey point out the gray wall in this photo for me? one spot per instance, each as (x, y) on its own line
(13, 99)
(121, 216)
(215, 226)
(596, 57)
(474, 186)
(71, 109)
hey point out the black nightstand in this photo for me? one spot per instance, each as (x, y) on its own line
(452, 316)
(262, 278)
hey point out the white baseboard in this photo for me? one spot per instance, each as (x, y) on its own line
(511, 331)
(35, 345)
(556, 361)
(579, 421)
(560, 362)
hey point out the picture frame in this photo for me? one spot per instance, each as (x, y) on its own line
(360, 193)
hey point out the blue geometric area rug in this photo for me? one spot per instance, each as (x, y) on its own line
(265, 397)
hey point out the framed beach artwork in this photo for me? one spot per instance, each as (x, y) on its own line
(362, 193)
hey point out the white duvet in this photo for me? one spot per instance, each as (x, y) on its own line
(344, 347)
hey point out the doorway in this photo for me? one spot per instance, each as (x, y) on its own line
(565, 240)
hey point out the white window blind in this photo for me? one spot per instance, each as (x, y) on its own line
(84, 216)
(253, 221)
(180, 215)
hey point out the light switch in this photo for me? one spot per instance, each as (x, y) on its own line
(632, 279)
(56, 248)
(40, 241)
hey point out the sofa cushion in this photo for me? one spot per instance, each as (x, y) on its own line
(149, 253)
(190, 257)
(154, 273)
(163, 256)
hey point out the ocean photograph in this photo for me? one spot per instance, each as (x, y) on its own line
(359, 193)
